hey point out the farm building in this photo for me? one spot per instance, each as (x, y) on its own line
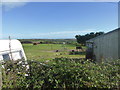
(104, 47)
(11, 50)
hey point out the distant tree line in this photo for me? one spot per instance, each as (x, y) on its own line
(47, 41)
(83, 38)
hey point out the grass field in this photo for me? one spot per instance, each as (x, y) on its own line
(45, 52)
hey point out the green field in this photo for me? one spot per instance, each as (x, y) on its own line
(45, 52)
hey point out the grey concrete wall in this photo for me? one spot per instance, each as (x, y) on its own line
(106, 47)
(119, 43)
(0, 75)
(119, 28)
(119, 14)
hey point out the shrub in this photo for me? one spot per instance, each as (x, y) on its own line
(62, 73)
(73, 52)
(26, 42)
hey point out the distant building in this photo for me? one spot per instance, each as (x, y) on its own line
(104, 47)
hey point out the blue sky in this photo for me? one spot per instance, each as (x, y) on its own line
(57, 20)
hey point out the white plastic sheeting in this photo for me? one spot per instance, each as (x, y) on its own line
(11, 48)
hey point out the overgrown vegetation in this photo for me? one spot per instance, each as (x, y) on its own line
(61, 73)
(83, 38)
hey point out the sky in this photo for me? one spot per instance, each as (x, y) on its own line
(57, 20)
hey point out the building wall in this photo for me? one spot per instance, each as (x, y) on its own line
(106, 46)
(119, 43)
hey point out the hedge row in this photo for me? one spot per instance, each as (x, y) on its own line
(61, 73)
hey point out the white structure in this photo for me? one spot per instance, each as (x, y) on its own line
(11, 50)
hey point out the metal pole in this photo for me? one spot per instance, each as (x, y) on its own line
(10, 48)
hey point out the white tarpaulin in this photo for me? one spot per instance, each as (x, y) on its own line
(12, 47)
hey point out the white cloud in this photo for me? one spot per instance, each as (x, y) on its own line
(15, 0)
(62, 34)
(60, 0)
(70, 32)
(10, 5)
